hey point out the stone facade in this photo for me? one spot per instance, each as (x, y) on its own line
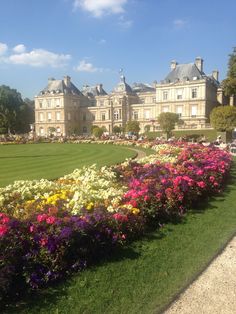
(62, 109)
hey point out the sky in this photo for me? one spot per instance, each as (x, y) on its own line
(92, 40)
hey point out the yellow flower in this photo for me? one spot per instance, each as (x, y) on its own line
(90, 206)
(135, 211)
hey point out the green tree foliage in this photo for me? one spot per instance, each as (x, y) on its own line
(15, 114)
(223, 118)
(132, 126)
(167, 121)
(229, 84)
(97, 131)
(117, 129)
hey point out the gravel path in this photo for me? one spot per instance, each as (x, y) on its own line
(214, 292)
(140, 153)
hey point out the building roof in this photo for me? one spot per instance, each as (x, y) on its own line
(122, 86)
(92, 91)
(60, 86)
(141, 87)
(184, 72)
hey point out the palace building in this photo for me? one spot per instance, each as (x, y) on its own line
(62, 109)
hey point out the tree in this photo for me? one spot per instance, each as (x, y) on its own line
(229, 84)
(25, 116)
(15, 114)
(167, 121)
(117, 129)
(223, 118)
(10, 102)
(132, 126)
(97, 131)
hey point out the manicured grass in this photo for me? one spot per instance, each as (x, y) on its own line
(147, 275)
(50, 161)
(210, 135)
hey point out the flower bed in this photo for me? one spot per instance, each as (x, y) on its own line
(52, 228)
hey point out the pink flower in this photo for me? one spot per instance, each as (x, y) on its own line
(31, 228)
(43, 241)
(4, 218)
(120, 217)
(201, 184)
(3, 230)
(212, 179)
(41, 217)
(50, 220)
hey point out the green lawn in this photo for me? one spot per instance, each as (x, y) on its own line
(147, 275)
(210, 135)
(50, 161)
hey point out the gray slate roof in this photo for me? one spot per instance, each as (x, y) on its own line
(184, 72)
(92, 91)
(59, 86)
(141, 87)
(122, 86)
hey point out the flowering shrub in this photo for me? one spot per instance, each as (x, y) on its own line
(52, 228)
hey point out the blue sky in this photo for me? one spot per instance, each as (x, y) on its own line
(91, 40)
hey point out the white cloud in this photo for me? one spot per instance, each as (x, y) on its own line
(179, 23)
(125, 23)
(86, 67)
(3, 49)
(39, 58)
(19, 48)
(102, 41)
(99, 8)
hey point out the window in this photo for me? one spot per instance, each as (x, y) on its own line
(92, 116)
(84, 129)
(101, 103)
(57, 102)
(154, 99)
(135, 115)
(41, 116)
(120, 101)
(40, 104)
(193, 111)
(165, 95)
(58, 129)
(179, 110)
(84, 117)
(49, 103)
(165, 109)
(49, 116)
(58, 116)
(116, 115)
(147, 114)
(68, 116)
(41, 130)
(179, 93)
(194, 92)
(103, 116)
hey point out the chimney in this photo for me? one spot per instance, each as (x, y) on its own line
(67, 80)
(99, 88)
(199, 63)
(215, 74)
(173, 64)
